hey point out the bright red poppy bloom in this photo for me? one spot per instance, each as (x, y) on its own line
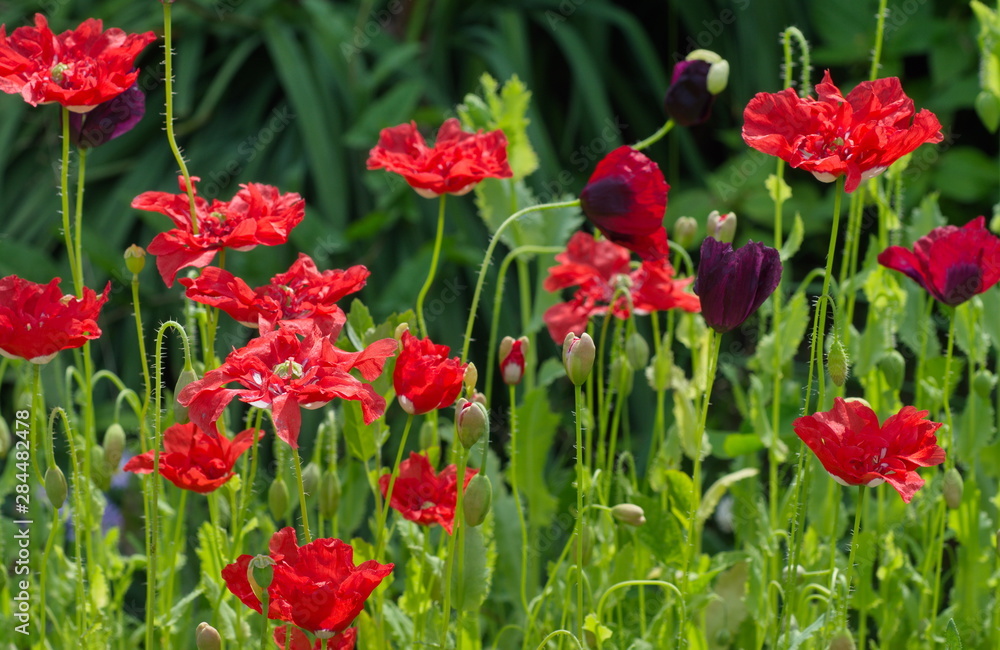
(856, 450)
(285, 371)
(78, 69)
(258, 214)
(626, 198)
(598, 268)
(951, 263)
(300, 641)
(425, 378)
(457, 161)
(858, 136)
(422, 496)
(316, 587)
(300, 296)
(195, 460)
(38, 320)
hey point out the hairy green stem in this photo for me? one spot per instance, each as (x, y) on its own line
(433, 270)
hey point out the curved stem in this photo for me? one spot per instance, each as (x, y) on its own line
(168, 74)
(384, 512)
(433, 270)
(144, 360)
(663, 130)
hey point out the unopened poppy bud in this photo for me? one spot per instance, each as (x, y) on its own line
(113, 446)
(637, 351)
(893, 367)
(721, 226)
(477, 499)
(310, 478)
(260, 573)
(588, 546)
(578, 357)
(55, 486)
(277, 499)
(983, 383)
(622, 372)
(480, 399)
(428, 435)
(471, 422)
(187, 376)
(5, 438)
(952, 488)
(100, 474)
(836, 362)
(135, 259)
(629, 513)
(471, 376)
(512, 353)
(329, 494)
(685, 231)
(207, 637)
(843, 641)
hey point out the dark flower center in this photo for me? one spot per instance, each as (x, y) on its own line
(607, 197)
(961, 282)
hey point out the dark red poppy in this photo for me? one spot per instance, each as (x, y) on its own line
(300, 641)
(732, 284)
(285, 371)
(39, 320)
(688, 101)
(302, 295)
(78, 69)
(600, 267)
(109, 120)
(195, 460)
(953, 264)
(425, 378)
(422, 496)
(626, 198)
(258, 214)
(454, 165)
(856, 450)
(316, 587)
(858, 136)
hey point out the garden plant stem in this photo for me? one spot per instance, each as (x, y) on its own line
(433, 270)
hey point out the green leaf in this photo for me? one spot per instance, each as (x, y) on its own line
(662, 533)
(794, 321)
(592, 625)
(471, 587)
(969, 335)
(505, 110)
(718, 489)
(952, 639)
(360, 437)
(534, 441)
(794, 241)
(777, 189)
(395, 106)
(359, 324)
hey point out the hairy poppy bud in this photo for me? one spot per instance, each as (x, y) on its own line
(100, 473)
(207, 637)
(187, 376)
(114, 447)
(310, 478)
(983, 383)
(629, 513)
(471, 422)
(55, 486)
(685, 231)
(952, 488)
(637, 351)
(277, 499)
(836, 362)
(893, 367)
(477, 499)
(721, 226)
(578, 357)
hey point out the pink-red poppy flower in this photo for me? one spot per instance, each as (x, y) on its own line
(600, 267)
(733, 284)
(258, 214)
(425, 378)
(858, 136)
(422, 496)
(300, 640)
(285, 371)
(316, 586)
(454, 165)
(953, 264)
(39, 320)
(512, 353)
(856, 450)
(300, 297)
(195, 460)
(626, 198)
(78, 69)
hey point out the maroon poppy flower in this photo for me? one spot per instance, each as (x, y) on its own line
(194, 460)
(300, 641)
(693, 87)
(285, 371)
(39, 320)
(425, 378)
(953, 264)
(858, 136)
(422, 496)
(454, 165)
(78, 69)
(856, 450)
(599, 268)
(109, 120)
(300, 296)
(258, 214)
(732, 284)
(316, 587)
(626, 198)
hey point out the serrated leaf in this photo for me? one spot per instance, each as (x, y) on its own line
(952, 640)
(777, 189)
(360, 437)
(794, 322)
(714, 493)
(505, 110)
(794, 241)
(662, 533)
(592, 625)
(359, 324)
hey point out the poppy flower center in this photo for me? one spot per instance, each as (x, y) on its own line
(214, 226)
(57, 72)
(289, 368)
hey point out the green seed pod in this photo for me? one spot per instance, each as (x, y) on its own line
(310, 478)
(477, 499)
(187, 376)
(629, 513)
(952, 488)
(5, 438)
(983, 383)
(55, 486)
(893, 367)
(637, 351)
(277, 499)
(329, 493)
(578, 357)
(114, 447)
(207, 637)
(837, 364)
(260, 573)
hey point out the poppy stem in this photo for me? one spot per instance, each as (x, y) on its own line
(64, 206)
(247, 487)
(384, 513)
(578, 533)
(850, 558)
(168, 78)
(656, 137)
(81, 169)
(264, 606)
(515, 492)
(78, 522)
(302, 495)
(950, 447)
(879, 34)
(433, 270)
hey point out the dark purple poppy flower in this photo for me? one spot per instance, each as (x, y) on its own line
(109, 120)
(732, 284)
(695, 83)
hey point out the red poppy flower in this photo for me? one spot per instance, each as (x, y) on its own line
(284, 372)
(78, 69)
(258, 214)
(422, 496)
(300, 641)
(38, 320)
(457, 161)
(626, 198)
(425, 378)
(598, 268)
(858, 136)
(300, 296)
(856, 450)
(951, 263)
(194, 460)
(316, 587)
